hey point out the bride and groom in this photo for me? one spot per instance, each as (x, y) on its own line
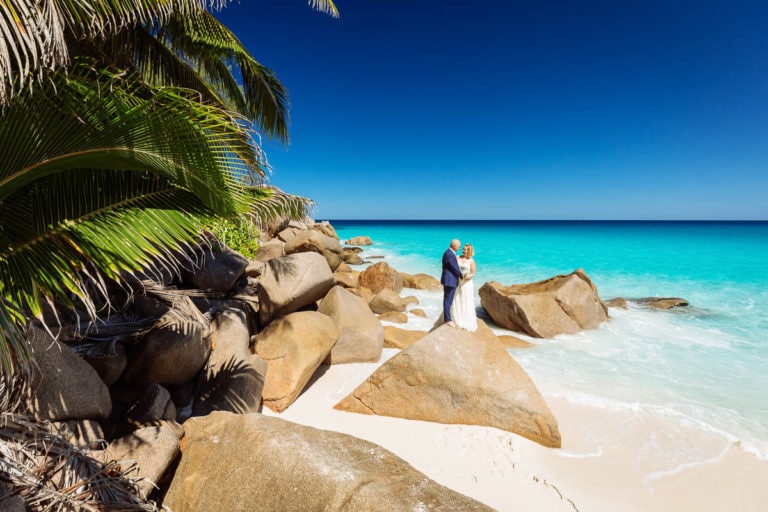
(458, 289)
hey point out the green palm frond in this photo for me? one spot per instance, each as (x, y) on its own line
(103, 177)
(140, 49)
(33, 32)
(97, 117)
(272, 203)
(214, 51)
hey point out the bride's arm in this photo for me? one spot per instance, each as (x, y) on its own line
(472, 269)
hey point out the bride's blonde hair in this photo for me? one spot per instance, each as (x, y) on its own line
(470, 250)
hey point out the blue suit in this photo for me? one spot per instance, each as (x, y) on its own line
(450, 281)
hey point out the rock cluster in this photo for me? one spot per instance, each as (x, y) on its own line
(562, 304)
(181, 392)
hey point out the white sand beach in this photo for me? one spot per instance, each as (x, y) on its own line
(610, 460)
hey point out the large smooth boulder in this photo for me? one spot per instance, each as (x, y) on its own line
(174, 351)
(153, 405)
(387, 300)
(325, 228)
(352, 258)
(269, 250)
(234, 377)
(153, 448)
(293, 346)
(361, 336)
(394, 337)
(220, 272)
(294, 468)
(394, 317)
(618, 302)
(347, 279)
(82, 433)
(63, 386)
(359, 240)
(663, 303)
(456, 376)
(109, 359)
(563, 304)
(314, 241)
(291, 231)
(292, 282)
(380, 276)
(420, 281)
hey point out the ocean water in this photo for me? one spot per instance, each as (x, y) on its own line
(705, 365)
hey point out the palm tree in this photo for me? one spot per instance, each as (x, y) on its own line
(123, 134)
(36, 34)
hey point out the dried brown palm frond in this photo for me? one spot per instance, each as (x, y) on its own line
(50, 474)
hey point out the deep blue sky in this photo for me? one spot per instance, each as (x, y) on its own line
(513, 109)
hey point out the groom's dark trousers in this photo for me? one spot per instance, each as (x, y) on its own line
(450, 281)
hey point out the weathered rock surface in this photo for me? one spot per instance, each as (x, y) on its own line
(8, 502)
(394, 317)
(293, 346)
(361, 336)
(153, 448)
(387, 300)
(299, 469)
(291, 231)
(326, 228)
(347, 279)
(394, 337)
(420, 281)
(173, 352)
(314, 241)
(234, 377)
(513, 342)
(155, 404)
(108, 359)
(380, 276)
(269, 250)
(563, 304)
(363, 293)
(618, 302)
(292, 282)
(255, 268)
(220, 271)
(456, 376)
(63, 386)
(359, 240)
(82, 433)
(352, 258)
(664, 303)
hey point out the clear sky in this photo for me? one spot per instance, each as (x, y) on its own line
(520, 109)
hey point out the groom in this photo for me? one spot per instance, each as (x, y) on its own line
(450, 279)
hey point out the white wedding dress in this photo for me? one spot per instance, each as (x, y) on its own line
(463, 307)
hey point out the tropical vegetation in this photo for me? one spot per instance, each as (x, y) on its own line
(126, 129)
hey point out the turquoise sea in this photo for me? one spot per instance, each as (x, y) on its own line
(705, 365)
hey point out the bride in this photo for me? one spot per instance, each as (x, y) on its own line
(463, 307)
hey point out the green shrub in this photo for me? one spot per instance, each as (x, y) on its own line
(240, 234)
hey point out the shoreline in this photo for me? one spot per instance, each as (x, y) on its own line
(636, 472)
(625, 458)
